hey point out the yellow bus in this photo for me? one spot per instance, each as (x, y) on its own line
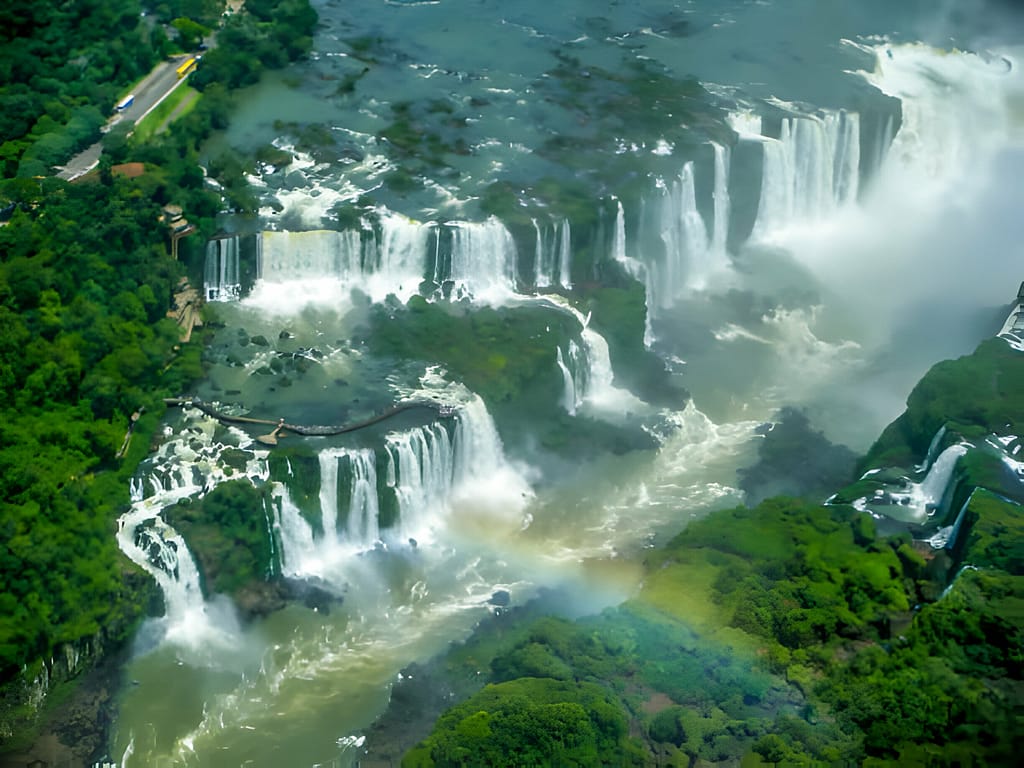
(186, 66)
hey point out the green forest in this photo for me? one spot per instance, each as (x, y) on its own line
(87, 350)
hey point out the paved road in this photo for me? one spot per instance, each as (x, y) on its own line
(153, 89)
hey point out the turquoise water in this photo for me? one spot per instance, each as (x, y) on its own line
(845, 221)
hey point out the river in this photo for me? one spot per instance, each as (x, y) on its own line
(819, 200)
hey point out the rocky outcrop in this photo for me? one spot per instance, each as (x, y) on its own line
(84, 675)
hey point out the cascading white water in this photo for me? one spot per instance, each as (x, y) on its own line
(565, 255)
(221, 281)
(486, 485)
(392, 263)
(599, 389)
(400, 258)
(553, 255)
(811, 170)
(183, 468)
(420, 471)
(363, 506)
(685, 239)
(947, 536)
(933, 448)
(569, 401)
(918, 501)
(427, 467)
(691, 255)
(296, 537)
(161, 551)
(483, 260)
(362, 511)
(590, 369)
(720, 229)
(634, 267)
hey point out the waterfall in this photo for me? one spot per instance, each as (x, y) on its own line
(294, 533)
(597, 378)
(720, 232)
(186, 467)
(420, 471)
(478, 450)
(221, 280)
(922, 499)
(634, 268)
(363, 507)
(399, 258)
(569, 401)
(590, 368)
(933, 448)
(947, 537)
(552, 262)
(542, 269)
(935, 483)
(392, 262)
(565, 255)
(685, 238)
(809, 172)
(304, 553)
(426, 468)
(691, 256)
(328, 460)
(161, 551)
(483, 260)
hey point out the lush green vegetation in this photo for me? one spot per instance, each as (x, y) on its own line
(501, 354)
(793, 633)
(804, 652)
(531, 722)
(62, 65)
(228, 535)
(508, 357)
(86, 349)
(85, 282)
(973, 396)
(268, 35)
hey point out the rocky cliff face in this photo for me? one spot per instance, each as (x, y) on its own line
(59, 710)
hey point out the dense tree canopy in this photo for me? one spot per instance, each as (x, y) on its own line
(85, 284)
(62, 65)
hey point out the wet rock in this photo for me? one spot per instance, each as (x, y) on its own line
(260, 341)
(500, 598)
(260, 598)
(235, 457)
(313, 593)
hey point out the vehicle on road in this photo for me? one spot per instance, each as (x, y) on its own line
(124, 103)
(186, 66)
